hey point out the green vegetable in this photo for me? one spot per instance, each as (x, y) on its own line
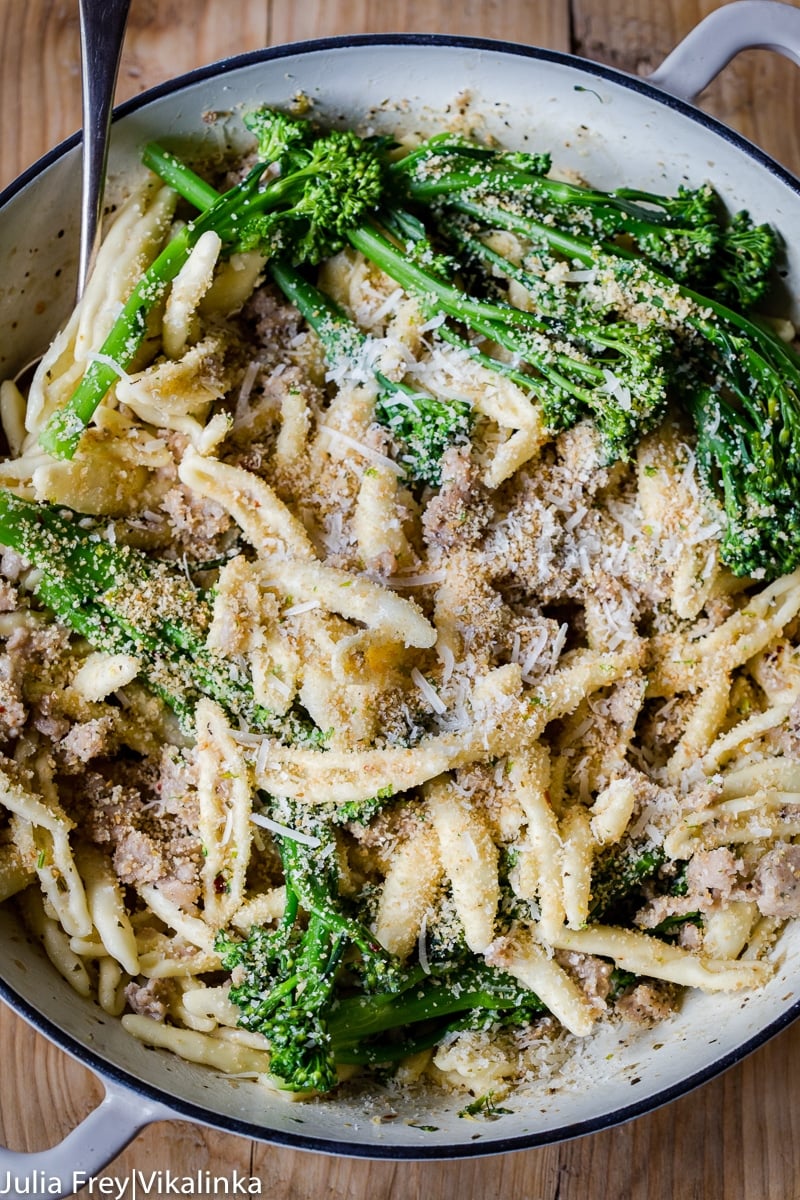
(685, 234)
(744, 260)
(619, 982)
(633, 360)
(748, 445)
(671, 925)
(424, 426)
(737, 379)
(420, 1008)
(619, 873)
(324, 183)
(360, 812)
(290, 974)
(123, 602)
(323, 991)
(622, 382)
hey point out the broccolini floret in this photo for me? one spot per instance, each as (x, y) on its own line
(323, 992)
(288, 979)
(426, 427)
(744, 259)
(323, 184)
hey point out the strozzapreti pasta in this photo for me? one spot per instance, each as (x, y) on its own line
(376, 687)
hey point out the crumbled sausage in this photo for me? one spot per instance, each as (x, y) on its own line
(715, 872)
(776, 884)
(461, 509)
(87, 740)
(647, 1003)
(151, 999)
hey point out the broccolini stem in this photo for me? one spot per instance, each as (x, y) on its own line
(122, 602)
(330, 181)
(341, 338)
(66, 426)
(314, 897)
(433, 291)
(502, 170)
(682, 232)
(424, 998)
(180, 177)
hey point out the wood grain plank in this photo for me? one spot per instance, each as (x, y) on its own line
(41, 104)
(758, 94)
(541, 22)
(59, 1093)
(51, 1092)
(165, 39)
(522, 1175)
(39, 76)
(730, 1139)
(184, 1149)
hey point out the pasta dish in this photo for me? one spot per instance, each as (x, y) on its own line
(399, 593)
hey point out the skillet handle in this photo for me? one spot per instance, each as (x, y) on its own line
(724, 33)
(63, 1169)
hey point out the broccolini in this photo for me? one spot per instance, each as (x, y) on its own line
(322, 185)
(424, 425)
(123, 602)
(737, 379)
(323, 992)
(618, 375)
(686, 234)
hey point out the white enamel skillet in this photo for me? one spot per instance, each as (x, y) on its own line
(614, 129)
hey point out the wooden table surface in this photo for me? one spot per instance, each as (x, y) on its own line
(738, 1136)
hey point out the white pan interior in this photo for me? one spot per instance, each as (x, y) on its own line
(613, 132)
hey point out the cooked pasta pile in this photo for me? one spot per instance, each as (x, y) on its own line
(538, 672)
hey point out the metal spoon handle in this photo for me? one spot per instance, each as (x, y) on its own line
(102, 33)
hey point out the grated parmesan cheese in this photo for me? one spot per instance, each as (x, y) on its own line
(243, 399)
(107, 361)
(283, 830)
(422, 579)
(367, 452)
(422, 947)
(295, 610)
(429, 693)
